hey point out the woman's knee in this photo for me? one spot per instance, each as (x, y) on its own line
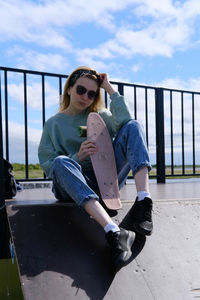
(133, 126)
(63, 161)
(133, 123)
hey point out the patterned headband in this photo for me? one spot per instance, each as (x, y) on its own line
(77, 74)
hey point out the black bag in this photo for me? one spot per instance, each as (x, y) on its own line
(10, 185)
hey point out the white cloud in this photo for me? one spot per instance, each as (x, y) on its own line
(151, 28)
(87, 60)
(34, 94)
(39, 61)
(46, 22)
(191, 84)
(155, 39)
(31, 22)
(191, 9)
(167, 29)
(143, 42)
(17, 142)
(136, 68)
(156, 8)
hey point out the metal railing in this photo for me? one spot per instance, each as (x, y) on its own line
(168, 115)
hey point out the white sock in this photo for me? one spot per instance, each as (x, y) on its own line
(142, 194)
(111, 227)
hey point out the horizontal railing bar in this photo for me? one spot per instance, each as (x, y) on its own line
(181, 91)
(154, 87)
(32, 72)
(112, 82)
(133, 85)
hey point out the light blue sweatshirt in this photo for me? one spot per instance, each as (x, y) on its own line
(61, 137)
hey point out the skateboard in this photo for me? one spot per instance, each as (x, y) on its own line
(103, 161)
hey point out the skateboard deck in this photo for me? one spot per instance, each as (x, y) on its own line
(103, 161)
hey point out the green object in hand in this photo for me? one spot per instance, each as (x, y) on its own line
(82, 131)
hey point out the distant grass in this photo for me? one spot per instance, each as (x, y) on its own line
(32, 174)
(35, 171)
(177, 171)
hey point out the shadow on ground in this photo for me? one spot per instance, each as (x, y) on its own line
(61, 249)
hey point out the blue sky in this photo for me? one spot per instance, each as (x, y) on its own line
(140, 41)
(133, 40)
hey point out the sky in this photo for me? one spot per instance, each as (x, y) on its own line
(138, 41)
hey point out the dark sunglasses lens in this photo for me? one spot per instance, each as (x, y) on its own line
(81, 90)
(91, 95)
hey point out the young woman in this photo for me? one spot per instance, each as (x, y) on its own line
(65, 156)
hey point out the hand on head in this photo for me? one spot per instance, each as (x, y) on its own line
(106, 84)
(104, 78)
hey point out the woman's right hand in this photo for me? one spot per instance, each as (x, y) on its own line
(106, 84)
(87, 148)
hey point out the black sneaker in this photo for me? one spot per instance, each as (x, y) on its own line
(141, 214)
(120, 243)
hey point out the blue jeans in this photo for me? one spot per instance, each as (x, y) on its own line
(69, 180)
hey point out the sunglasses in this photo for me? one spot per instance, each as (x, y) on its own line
(81, 90)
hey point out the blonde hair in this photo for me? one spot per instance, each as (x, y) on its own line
(71, 80)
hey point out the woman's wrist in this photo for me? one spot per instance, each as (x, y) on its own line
(109, 89)
(106, 84)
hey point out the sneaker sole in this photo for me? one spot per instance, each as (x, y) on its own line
(141, 231)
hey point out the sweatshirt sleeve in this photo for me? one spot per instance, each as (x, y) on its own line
(46, 151)
(75, 157)
(118, 115)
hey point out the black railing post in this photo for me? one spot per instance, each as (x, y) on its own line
(26, 126)
(160, 138)
(121, 89)
(4, 233)
(6, 114)
(2, 201)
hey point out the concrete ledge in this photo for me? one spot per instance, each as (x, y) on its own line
(35, 185)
